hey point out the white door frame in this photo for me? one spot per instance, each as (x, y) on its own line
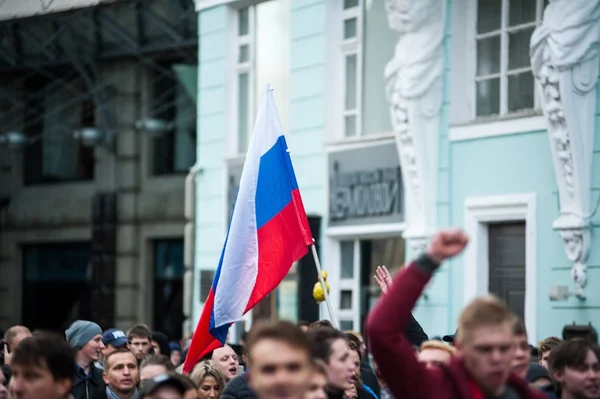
(479, 212)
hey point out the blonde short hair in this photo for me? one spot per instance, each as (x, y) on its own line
(437, 345)
(205, 369)
(482, 312)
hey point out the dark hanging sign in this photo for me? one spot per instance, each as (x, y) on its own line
(365, 186)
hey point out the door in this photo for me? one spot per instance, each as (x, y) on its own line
(507, 264)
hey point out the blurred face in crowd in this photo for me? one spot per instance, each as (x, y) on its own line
(487, 352)
(35, 381)
(318, 382)
(9, 347)
(340, 366)
(209, 388)
(176, 358)
(227, 361)
(121, 373)
(108, 349)
(140, 347)
(3, 387)
(152, 370)
(94, 348)
(279, 370)
(355, 358)
(544, 359)
(433, 357)
(522, 355)
(165, 392)
(581, 381)
(155, 346)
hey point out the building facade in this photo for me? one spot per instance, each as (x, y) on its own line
(98, 111)
(403, 119)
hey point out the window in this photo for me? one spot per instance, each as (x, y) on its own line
(359, 260)
(367, 45)
(61, 273)
(262, 56)
(173, 103)
(168, 287)
(503, 80)
(54, 110)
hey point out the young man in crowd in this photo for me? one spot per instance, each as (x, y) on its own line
(121, 375)
(435, 354)
(85, 338)
(485, 342)
(574, 366)
(280, 361)
(113, 340)
(226, 360)
(318, 381)
(522, 355)
(12, 337)
(140, 341)
(331, 347)
(42, 368)
(545, 348)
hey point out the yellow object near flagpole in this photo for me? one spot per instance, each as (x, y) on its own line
(322, 280)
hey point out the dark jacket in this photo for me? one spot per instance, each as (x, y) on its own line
(238, 388)
(101, 394)
(362, 394)
(414, 332)
(395, 355)
(87, 388)
(370, 379)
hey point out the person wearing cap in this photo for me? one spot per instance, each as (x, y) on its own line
(175, 353)
(85, 337)
(163, 386)
(113, 340)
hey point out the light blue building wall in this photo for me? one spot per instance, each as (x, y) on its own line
(212, 127)
(307, 101)
(306, 123)
(498, 165)
(503, 165)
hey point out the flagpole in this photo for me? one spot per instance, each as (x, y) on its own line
(322, 280)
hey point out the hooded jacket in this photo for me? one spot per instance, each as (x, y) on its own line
(394, 354)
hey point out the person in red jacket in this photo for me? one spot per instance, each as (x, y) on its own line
(484, 345)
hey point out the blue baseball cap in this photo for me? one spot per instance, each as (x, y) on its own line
(114, 337)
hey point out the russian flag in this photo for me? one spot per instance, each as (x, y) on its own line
(268, 232)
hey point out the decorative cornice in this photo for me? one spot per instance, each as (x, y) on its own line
(565, 60)
(414, 90)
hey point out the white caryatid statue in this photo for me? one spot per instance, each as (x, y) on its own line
(414, 88)
(565, 60)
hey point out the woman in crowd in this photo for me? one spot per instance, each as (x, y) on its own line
(208, 379)
(356, 356)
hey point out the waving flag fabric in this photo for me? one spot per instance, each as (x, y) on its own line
(268, 232)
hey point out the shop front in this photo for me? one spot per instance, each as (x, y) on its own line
(364, 226)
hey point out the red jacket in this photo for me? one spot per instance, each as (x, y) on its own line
(395, 356)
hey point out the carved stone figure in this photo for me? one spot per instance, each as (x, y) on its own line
(414, 90)
(565, 60)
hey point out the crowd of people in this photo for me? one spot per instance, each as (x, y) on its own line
(488, 357)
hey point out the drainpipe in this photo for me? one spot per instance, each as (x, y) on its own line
(189, 246)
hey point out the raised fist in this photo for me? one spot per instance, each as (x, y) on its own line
(446, 244)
